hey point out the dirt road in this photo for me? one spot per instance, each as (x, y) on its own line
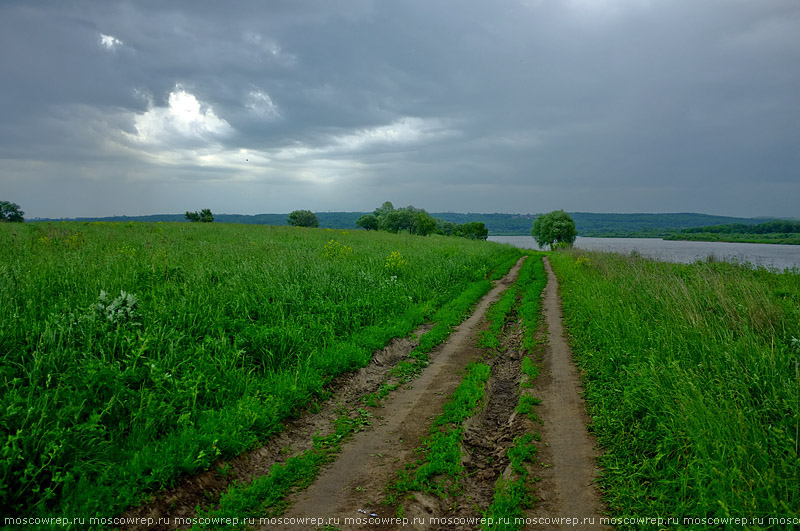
(354, 485)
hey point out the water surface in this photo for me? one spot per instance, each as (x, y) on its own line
(771, 256)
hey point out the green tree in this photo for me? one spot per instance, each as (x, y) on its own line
(554, 228)
(446, 228)
(423, 224)
(412, 219)
(303, 218)
(10, 212)
(382, 210)
(474, 230)
(368, 222)
(398, 220)
(204, 216)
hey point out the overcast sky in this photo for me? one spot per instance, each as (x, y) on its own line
(522, 106)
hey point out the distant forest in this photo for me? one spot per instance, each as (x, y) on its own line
(588, 224)
(775, 231)
(778, 226)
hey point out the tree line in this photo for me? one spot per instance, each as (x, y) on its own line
(587, 224)
(407, 219)
(778, 226)
(417, 221)
(556, 229)
(204, 216)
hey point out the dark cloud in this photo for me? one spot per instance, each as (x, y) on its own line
(515, 105)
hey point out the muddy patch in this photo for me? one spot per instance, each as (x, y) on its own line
(487, 437)
(489, 434)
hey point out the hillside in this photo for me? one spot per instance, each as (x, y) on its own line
(588, 223)
(777, 231)
(648, 225)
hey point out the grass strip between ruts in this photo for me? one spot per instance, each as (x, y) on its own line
(438, 472)
(514, 494)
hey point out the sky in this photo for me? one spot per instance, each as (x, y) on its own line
(517, 106)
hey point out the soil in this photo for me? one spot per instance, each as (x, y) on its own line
(354, 484)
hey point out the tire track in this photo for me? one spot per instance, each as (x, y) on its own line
(567, 487)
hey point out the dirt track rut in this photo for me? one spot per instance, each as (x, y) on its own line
(567, 487)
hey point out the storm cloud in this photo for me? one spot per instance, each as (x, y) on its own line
(502, 106)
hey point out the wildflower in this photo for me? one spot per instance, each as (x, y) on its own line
(334, 249)
(75, 240)
(395, 263)
(127, 250)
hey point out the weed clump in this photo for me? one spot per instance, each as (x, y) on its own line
(122, 309)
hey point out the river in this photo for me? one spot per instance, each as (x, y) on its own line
(771, 256)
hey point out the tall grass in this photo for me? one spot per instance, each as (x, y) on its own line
(131, 354)
(692, 381)
(266, 495)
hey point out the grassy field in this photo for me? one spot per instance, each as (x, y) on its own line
(131, 354)
(693, 382)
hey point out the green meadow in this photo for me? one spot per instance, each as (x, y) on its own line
(133, 354)
(692, 377)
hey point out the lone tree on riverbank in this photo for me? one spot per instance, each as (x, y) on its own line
(554, 228)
